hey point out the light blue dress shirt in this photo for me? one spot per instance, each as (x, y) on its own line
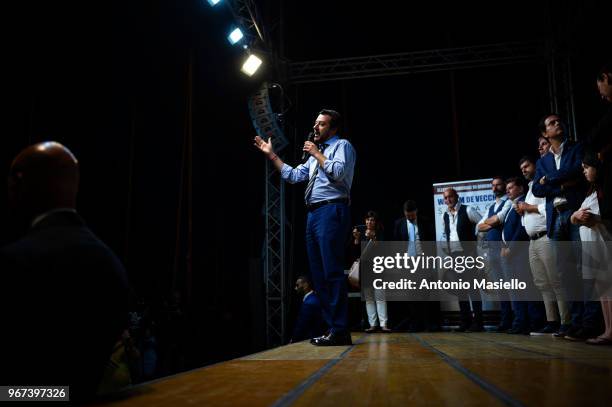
(334, 179)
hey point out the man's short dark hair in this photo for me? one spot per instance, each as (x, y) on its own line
(526, 158)
(410, 206)
(542, 122)
(516, 181)
(499, 177)
(605, 71)
(336, 119)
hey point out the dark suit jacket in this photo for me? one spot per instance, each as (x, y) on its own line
(400, 230)
(64, 305)
(425, 231)
(570, 170)
(516, 240)
(309, 323)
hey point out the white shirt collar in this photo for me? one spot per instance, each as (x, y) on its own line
(457, 206)
(552, 150)
(307, 294)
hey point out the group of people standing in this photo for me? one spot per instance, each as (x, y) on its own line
(562, 209)
(563, 197)
(417, 315)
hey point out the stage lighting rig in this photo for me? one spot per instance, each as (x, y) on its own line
(251, 65)
(235, 36)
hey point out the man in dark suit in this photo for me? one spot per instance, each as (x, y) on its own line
(528, 315)
(423, 315)
(64, 292)
(559, 179)
(309, 323)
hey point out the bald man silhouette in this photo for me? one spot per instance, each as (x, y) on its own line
(64, 292)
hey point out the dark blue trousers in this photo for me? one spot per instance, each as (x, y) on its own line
(528, 314)
(327, 229)
(495, 269)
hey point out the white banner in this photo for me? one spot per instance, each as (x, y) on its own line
(476, 193)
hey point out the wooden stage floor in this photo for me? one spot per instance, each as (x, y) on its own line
(436, 369)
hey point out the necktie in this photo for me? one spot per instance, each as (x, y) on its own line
(411, 240)
(312, 179)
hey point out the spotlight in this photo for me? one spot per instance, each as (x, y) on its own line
(235, 36)
(251, 65)
(213, 2)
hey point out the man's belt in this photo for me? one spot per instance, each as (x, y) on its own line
(562, 207)
(537, 235)
(311, 207)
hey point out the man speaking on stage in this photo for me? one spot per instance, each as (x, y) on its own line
(329, 171)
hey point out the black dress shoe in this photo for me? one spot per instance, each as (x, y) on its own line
(548, 329)
(334, 340)
(518, 331)
(568, 331)
(313, 340)
(562, 331)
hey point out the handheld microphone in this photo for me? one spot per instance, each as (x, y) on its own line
(310, 138)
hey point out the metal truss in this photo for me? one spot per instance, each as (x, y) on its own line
(561, 92)
(414, 62)
(266, 124)
(247, 16)
(274, 258)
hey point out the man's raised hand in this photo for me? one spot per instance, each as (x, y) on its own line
(265, 147)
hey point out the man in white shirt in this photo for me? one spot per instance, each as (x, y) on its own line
(541, 257)
(493, 224)
(460, 226)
